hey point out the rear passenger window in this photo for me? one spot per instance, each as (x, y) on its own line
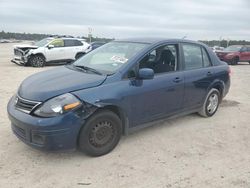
(206, 60)
(78, 43)
(70, 42)
(192, 56)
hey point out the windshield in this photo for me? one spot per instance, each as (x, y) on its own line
(43, 42)
(110, 57)
(232, 49)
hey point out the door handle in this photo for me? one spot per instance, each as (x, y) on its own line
(209, 73)
(177, 79)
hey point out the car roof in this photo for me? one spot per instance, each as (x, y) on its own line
(156, 40)
(64, 38)
(241, 45)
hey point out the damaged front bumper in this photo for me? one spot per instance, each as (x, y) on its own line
(52, 133)
(20, 60)
(19, 57)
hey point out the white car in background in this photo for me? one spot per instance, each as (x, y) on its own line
(50, 50)
(217, 48)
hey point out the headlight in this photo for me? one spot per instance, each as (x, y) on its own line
(58, 105)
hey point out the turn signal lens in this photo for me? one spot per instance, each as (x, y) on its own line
(71, 106)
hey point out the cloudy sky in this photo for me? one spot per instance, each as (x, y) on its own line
(196, 19)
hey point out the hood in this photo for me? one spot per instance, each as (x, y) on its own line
(57, 81)
(222, 53)
(25, 47)
(219, 51)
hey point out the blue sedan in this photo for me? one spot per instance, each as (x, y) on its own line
(118, 88)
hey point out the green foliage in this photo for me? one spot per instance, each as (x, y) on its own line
(22, 36)
(36, 36)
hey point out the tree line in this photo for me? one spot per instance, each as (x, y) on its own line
(36, 37)
(225, 43)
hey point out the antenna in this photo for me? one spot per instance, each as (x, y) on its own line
(185, 36)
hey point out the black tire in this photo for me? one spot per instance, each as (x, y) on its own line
(211, 103)
(79, 55)
(249, 62)
(235, 61)
(100, 134)
(37, 61)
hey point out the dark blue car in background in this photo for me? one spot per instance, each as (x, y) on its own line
(120, 87)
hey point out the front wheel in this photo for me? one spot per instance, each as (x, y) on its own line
(211, 103)
(235, 61)
(100, 134)
(37, 61)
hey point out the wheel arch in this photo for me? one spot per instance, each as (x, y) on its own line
(220, 86)
(39, 54)
(237, 57)
(121, 114)
(78, 53)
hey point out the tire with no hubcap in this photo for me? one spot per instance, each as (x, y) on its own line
(211, 103)
(37, 61)
(79, 55)
(235, 61)
(100, 134)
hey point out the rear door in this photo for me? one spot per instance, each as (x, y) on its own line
(72, 47)
(198, 74)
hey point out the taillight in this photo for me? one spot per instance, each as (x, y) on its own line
(230, 71)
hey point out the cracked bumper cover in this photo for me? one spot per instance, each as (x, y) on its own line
(56, 133)
(20, 60)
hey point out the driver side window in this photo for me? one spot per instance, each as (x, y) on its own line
(161, 59)
(57, 43)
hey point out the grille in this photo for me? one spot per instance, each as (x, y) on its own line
(19, 131)
(17, 52)
(25, 105)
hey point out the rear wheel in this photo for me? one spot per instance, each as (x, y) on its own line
(100, 134)
(79, 55)
(211, 103)
(37, 61)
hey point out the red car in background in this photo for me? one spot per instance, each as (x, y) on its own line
(234, 54)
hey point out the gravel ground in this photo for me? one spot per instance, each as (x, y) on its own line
(189, 151)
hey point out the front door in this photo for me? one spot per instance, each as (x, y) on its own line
(161, 96)
(57, 52)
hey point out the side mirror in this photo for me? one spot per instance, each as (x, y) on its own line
(50, 46)
(146, 73)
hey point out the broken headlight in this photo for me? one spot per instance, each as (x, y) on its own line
(58, 105)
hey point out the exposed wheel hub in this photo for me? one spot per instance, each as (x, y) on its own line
(101, 134)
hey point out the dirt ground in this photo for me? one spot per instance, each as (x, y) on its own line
(190, 151)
